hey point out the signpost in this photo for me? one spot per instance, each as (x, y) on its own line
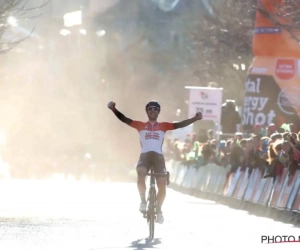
(208, 101)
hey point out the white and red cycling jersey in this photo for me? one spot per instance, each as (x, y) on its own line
(152, 134)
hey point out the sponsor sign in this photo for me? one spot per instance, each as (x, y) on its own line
(272, 97)
(285, 69)
(206, 100)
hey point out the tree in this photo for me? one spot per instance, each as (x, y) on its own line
(220, 41)
(11, 11)
(220, 44)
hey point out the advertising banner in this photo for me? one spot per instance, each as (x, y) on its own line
(272, 89)
(272, 92)
(270, 37)
(206, 100)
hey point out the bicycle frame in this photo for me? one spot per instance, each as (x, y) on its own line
(151, 201)
(151, 195)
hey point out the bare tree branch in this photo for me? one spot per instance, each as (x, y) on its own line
(286, 16)
(17, 10)
(24, 9)
(223, 41)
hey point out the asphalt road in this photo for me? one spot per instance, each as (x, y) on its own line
(90, 216)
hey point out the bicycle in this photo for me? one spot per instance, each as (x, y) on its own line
(150, 214)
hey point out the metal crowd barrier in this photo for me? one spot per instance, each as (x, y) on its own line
(279, 199)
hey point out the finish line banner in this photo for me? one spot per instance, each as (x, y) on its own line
(206, 100)
(272, 92)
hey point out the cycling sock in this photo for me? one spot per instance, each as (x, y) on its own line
(143, 198)
(158, 207)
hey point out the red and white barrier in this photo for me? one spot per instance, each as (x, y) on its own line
(238, 185)
(253, 180)
(294, 194)
(266, 192)
(277, 189)
(259, 188)
(255, 190)
(232, 182)
(286, 191)
(283, 194)
(296, 203)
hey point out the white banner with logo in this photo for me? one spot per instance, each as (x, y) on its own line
(206, 100)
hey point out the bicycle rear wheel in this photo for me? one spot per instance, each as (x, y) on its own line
(151, 215)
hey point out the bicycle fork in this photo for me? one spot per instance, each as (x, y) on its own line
(151, 201)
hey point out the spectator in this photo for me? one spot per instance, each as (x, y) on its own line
(202, 136)
(270, 154)
(210, 134)
(275, 136)
(206, 154)
(223, 154)
(237, 156)
(230, 118)
(293, 128)
(271, 129)
(256, 129)
(176, 151)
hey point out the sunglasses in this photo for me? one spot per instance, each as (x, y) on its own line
(153, 108)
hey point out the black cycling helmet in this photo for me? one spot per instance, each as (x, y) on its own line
(153, 104)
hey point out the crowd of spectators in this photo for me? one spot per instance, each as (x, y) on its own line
(270, 149)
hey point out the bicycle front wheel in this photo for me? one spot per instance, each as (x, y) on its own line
(151, 225)
(151, 218)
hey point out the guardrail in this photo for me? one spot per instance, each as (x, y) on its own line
(277, 198)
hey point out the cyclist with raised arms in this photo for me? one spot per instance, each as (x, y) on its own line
(151, 138)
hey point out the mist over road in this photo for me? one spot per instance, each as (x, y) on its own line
(90, 216)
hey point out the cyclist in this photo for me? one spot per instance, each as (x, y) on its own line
(151, 138)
